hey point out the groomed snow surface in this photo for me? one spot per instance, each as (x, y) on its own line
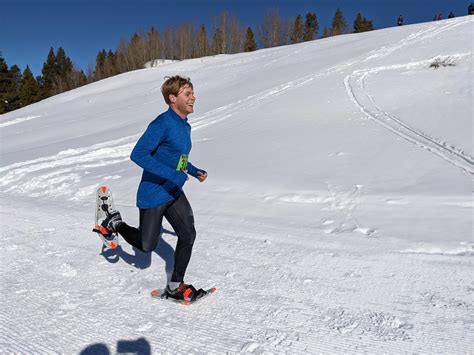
(337, 216)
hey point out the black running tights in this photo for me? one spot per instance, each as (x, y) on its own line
(180, 215)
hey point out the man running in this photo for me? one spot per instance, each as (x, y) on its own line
(162, 152)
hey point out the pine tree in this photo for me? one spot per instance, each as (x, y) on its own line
(119, 63)
(326, 33)
(297, 34)
(5, 85)
(39, 80)
(311, 27)
(29, 88)
(9, 86)
(82, 78)
(13, 97)
(50, 72)
(250, 44)
(339, 24)
(368, 25)
(362, 24)
(15, 74)
(358, 23)
(64, 69)
(64, 63)
(111, 64)
(100, 65)
(77, 78)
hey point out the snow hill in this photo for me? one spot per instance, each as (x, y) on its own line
(337, 216)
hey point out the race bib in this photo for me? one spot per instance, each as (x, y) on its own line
(183, 162)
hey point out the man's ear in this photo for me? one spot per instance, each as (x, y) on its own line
(172, 98)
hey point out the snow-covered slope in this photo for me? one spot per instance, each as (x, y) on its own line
(337, 215)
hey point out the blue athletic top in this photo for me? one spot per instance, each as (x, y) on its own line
(162, 151)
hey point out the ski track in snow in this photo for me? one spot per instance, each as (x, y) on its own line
(355, 86)
(18, 120)
(414, 38)
(465, 249)
(59, 175)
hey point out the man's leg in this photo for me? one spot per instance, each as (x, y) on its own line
(180, 216)
(147, 235)
(131, 235)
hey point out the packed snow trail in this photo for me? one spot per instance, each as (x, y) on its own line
(293, 290)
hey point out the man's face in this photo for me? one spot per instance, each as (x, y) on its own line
(183, 102)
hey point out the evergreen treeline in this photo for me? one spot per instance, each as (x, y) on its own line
(185, 41)
(21, 89)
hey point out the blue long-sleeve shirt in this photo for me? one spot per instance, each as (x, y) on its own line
(162, 151)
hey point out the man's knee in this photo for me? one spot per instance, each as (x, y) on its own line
(148, 247)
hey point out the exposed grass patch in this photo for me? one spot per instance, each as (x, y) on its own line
(442, 62)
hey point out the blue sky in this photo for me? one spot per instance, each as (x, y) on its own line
(28, 28)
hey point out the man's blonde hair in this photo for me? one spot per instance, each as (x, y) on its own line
(172, 85)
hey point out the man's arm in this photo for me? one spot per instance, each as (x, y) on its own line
(146, 145)
(199, 174)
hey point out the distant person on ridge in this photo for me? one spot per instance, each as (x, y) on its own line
(162, 152)
(440, 16)
(451, 14)
(400, 20)
(470, 9)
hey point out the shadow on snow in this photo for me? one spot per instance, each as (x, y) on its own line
(140, 346)
(142, 260)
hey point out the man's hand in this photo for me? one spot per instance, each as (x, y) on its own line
(201, 175)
